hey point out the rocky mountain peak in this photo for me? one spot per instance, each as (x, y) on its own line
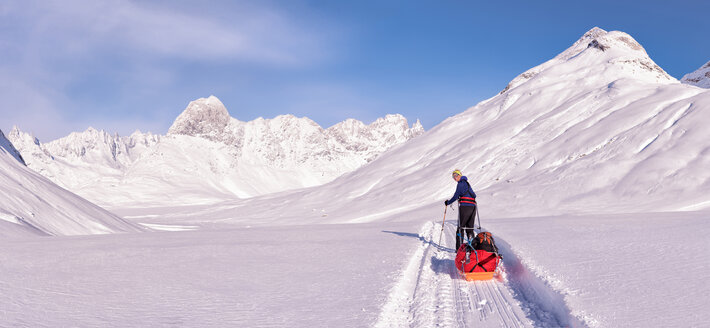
(699, 78)
(16, 135)
(204, 117)
(390, 121)
(417, 128)
(601, 40)
(594, 33)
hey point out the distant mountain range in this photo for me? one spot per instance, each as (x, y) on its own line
(209, 156)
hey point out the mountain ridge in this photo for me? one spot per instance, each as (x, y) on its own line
(235, 157)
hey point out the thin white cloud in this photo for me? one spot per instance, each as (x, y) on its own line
(50, 47)
(141, 29)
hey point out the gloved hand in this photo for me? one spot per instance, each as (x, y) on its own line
(446, 202)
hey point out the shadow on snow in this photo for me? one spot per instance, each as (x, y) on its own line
(422, 239)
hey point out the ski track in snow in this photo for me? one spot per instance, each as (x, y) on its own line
(430, 292)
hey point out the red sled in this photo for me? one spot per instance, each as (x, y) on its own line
(476, 264)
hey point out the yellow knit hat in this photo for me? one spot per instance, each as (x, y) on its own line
(457, 172)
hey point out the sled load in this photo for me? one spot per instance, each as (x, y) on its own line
(478, 259)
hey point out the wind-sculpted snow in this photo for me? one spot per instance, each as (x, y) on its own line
(33, 205)
(699, 78)
(208, 156)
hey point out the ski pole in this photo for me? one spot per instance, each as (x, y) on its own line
(442, 226)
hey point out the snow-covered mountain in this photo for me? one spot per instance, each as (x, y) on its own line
(209, 156)
(699, 78)
(31, 204)
(598, 128)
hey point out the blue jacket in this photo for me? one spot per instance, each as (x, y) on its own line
(463, 188)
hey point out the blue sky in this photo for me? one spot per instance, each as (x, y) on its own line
(127, 65)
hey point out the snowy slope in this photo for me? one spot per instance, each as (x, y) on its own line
(31, 204)
(699, 78)
(209, 156)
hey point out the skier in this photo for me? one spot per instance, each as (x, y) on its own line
(467, 207)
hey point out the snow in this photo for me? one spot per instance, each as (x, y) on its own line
(591, 173)
(298, 276)
(619, 270)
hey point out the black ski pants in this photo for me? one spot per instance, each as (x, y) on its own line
(467, 217)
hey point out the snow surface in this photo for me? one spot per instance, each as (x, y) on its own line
(591, 173)
(210, 156)
(699, 78)
(303, 276)
(619, 271)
